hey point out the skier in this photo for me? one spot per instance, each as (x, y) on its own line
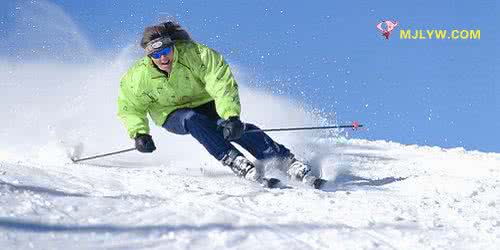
(188, 88)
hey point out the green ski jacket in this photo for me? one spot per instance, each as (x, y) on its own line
(199, 75)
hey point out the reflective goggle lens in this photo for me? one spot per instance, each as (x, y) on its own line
(164, 51)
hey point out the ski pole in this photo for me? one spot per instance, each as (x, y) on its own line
(355, 125)
(102, 155)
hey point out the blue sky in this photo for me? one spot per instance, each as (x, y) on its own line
(330, 55)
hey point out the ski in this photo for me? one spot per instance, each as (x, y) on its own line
(314, 182)
(318, 183)
(270, 182)
(273, 183)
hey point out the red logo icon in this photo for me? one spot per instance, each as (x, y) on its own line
(386, 27)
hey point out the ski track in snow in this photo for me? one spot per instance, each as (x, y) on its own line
(380, 195)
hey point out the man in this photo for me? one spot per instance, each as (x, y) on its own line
(188, 88)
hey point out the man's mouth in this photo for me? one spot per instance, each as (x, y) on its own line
(166, 63)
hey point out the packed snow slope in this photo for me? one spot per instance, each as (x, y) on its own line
(379, 194)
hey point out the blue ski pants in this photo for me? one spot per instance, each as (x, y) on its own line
(201, 123)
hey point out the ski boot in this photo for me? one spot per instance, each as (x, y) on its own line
(300, 171)
(244, 168)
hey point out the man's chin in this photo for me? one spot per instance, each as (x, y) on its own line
(165, 68)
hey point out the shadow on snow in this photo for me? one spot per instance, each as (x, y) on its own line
(31, 226)
(38, 227)
(42, 190)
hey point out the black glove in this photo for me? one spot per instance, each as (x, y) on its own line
(232, 128)
(144, 143)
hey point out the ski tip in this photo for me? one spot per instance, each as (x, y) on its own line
(318, 183)
(274, 183)
(271, 182)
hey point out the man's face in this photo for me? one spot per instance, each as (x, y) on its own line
(164, 62)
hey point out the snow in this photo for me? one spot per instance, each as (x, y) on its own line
(379, 195)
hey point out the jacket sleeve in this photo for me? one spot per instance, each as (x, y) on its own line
(220, 84)
(131, 111)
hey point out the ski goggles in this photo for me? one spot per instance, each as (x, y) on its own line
(158, 54)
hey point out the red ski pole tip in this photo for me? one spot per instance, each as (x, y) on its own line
(355, 124)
